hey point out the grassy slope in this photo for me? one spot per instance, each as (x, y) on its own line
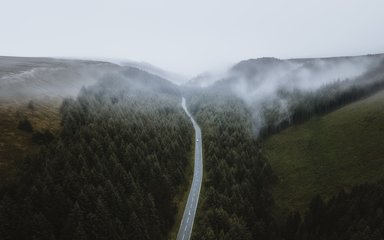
(328, 153)
(16, 144)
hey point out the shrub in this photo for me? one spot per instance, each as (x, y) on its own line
(25, 125)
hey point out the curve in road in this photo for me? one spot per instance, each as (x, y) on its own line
(186, 225)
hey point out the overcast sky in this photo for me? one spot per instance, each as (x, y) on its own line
(191, 36)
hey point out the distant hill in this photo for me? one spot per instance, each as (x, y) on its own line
(279, 92)
(30, 77)
(270, 74)
(171, 76)
(205, 79)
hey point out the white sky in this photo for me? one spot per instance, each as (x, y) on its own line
(191, 36)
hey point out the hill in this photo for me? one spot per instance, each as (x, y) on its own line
(328, 153)
(280, 92)
(34, 88)
(16, 144)
(114, 170)
(22, 77)
(147, 67)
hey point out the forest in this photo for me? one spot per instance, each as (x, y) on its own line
(304, 105)
(355, 215)
(280, 93)
(112, 173)
(120, 160)
(236, 202)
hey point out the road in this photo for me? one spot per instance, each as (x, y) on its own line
(185, 230)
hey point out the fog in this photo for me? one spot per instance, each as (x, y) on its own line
(273, 75)
(22, 78)
(190, 37)
(271, 87)
(31, 78)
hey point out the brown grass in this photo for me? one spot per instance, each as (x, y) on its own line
(16, 144)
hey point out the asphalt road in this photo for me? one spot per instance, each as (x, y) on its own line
(185, 230)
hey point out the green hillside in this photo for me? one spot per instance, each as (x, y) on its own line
(328, 153)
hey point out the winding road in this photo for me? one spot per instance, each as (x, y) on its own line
(185, 230)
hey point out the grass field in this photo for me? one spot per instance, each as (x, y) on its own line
(328, 153)
(15, 144)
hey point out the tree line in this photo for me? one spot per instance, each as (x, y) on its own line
(354, 215)
(303, 105)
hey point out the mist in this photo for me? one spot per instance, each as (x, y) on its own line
(42, 77)
(273, 88)
(30, 78)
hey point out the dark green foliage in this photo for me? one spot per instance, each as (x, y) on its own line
(236, 202)
(112, 173)
(25, 125)
(115, 168)
(356, 215)
(304, 105)
(292, 225)
(42, 137)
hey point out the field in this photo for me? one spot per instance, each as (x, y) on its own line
(16, 144)
(328, 153)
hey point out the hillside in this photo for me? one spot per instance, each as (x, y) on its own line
(328, 153)
(22, 77)
(113, 171)
(16, 144)
(118, 161)
(147, 67)
(33, 89)
(280, 92)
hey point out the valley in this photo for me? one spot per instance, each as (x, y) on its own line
(109, 149)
